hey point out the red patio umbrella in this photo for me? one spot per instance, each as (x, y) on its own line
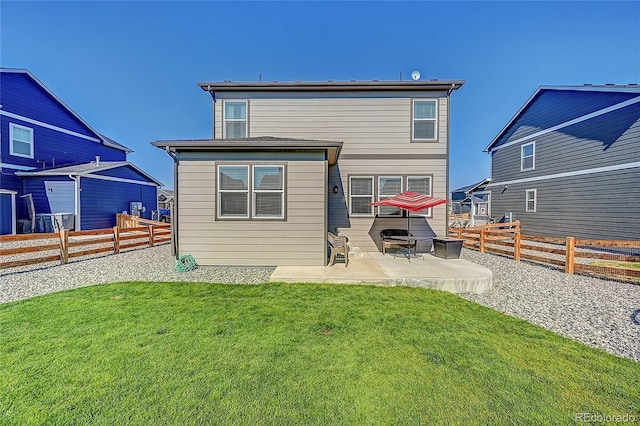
(410, 201)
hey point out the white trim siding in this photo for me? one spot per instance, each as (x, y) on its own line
(16, 167)
(117, 179)
(48, 126)
(569, 174)
(565, 124)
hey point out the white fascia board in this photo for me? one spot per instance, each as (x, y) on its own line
(15, 167)
(568, 174)
(117, 179)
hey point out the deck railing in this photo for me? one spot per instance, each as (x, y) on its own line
(32, 249)
(617, 259)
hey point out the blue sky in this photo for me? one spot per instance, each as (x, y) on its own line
(130, 68)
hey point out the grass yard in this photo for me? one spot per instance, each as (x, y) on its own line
(146, 353)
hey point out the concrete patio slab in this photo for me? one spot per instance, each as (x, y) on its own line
(453, 275)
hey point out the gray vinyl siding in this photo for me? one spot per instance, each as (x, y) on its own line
(298, 240)
(597, 206)
(603, 141)
(376, 131)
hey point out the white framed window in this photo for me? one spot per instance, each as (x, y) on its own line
(21, 141)
(388, 186)
(233, 192)
(528, 156)
(268, 192)
(235, 119)
(424, 123)
(531, 200)
(420, 185)
(251, 191)
(361, 195)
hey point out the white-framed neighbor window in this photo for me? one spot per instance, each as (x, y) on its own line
(21, 141)
(424, 121)
(388, 186)
(528, 156)
(251, 191)
(268, 192)
(235, 119)
(361, 195)
(421, 185)
(531, 200)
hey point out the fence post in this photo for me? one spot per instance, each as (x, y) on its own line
(570, 255)
(64, 246)
(116, 240)
(516, 246)
(150, 235)
(482, 240)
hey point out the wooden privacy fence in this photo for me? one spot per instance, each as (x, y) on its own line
(29, 249)
(618, 259)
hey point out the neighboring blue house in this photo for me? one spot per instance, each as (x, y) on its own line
(51, 153)
(568, 163)
(474, 200)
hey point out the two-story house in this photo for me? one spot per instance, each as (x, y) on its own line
(568, 163)
(289, 161)
(53, 162)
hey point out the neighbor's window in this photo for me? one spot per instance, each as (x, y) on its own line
(420, 185)
(361, 196)
(21, 141)
(235, 119)
(424, 119)
(528, 156)
(388, 186)
(268, 192)
(531, 200)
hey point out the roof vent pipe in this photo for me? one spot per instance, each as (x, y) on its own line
(97, 161)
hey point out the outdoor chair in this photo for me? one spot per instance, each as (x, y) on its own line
(338, 246)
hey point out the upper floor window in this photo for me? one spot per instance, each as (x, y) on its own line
(528, 156)
(235, 119)
(21, 144)
(258, 189)
(531, 200)
(424, 120)
(361, 195)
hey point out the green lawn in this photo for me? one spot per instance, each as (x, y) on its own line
(147, 353)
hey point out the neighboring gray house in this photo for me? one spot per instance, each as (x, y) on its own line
(290, 161)
(568, 163)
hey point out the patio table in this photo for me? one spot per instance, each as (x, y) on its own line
(408, 251)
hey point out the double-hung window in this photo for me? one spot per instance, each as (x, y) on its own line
(388, 186)
(361, 195)
(235, 119)
(251, 192)
(268, 192)
(424, 122)
(531, 200)
(528, 157)
(420, 185)
(21, 144)
(363, 188)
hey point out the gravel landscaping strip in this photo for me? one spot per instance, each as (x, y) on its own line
(149, 264)
(597, 312)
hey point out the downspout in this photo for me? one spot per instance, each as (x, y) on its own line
(213, 126)
(76, 202)
(451, 89)
(174, 209)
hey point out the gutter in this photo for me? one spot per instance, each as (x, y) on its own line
(76, 201)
